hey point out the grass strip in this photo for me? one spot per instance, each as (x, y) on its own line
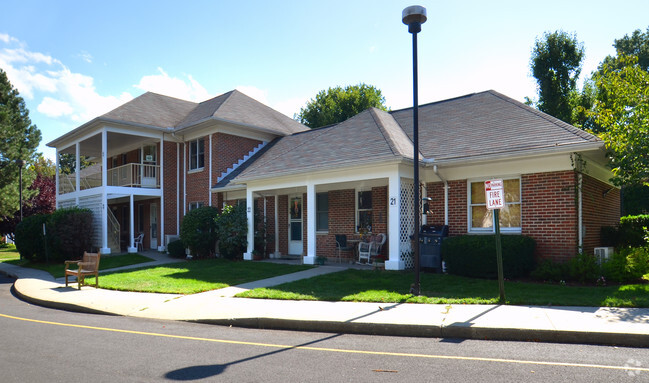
(195, 276)
(57, 270)
(394, 286)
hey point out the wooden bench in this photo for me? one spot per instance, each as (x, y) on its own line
(89, 265)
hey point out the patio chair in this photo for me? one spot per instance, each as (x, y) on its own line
(380, 241)
(341, 245)
(89, 265)
(365, 251)
(137, 242)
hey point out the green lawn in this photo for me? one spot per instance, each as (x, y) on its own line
(195, 276)
(394, 286)
(58, 269)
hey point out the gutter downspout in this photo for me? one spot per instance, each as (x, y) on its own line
(580, 212)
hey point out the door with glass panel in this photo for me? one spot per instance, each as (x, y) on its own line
(295, 225)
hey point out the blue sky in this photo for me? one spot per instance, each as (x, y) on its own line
(75, 60)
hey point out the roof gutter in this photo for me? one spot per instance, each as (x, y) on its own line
(223, 120)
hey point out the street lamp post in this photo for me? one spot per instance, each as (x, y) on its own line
(21, 164)
(413, 17)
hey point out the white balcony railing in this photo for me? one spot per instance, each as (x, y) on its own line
(135, 175)
(129, 175)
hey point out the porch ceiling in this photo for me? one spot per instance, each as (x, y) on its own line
(117, 143)
(321, 188)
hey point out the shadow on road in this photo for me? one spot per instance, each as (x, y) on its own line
(206, 371)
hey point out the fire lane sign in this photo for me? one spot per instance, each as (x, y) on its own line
(494, 194)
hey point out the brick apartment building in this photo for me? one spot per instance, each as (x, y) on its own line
(165, 156)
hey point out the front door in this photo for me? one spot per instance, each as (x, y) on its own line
(154, 225)
(295, 225)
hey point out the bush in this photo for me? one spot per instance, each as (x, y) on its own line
(29, 238)
(69, 233)
(632, 232)
(584, 268)
(176, 249)
(550, 271)
(232, 226)
(475, 255)
(627, 265)
(199, 232)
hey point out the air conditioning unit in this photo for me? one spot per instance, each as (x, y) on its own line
(602, 254)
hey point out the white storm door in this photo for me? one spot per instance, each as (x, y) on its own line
(295, 225)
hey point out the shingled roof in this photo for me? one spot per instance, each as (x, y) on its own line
(487, 123)
(459, 129)
(152, 109)
(235, 106)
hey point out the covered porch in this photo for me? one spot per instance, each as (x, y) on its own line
(111, 170)
(309, 213)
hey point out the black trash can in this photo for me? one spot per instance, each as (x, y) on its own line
(430, 246)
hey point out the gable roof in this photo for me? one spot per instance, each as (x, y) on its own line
(155, 111)
(236, 107)
(487, 123)
(152, 109)
(372, 134)
(461, 129)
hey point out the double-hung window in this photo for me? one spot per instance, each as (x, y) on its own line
(481, 220)
(364, 211)
(322, 211)
(197, 154)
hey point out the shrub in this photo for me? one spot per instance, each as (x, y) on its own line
(550, 271)
(475, 255)
(584, 268)
(199, 232)
(627, 265)
(176, 249)
(232, 226)
(69, 233)
(29, 238)
(633, 230)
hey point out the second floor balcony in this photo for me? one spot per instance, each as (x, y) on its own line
(130, 175)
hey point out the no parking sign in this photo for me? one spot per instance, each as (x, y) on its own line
(494, 194)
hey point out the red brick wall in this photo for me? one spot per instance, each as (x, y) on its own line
(170, 189)
(549, 213)
(282, 212)
(198, 180)
(598, 210)
(227, 150)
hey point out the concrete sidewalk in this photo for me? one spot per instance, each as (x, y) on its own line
(592, 325)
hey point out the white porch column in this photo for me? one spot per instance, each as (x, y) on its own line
(250, 214)
(58, 184)
(394, 218)
(310, 225)
(161, 226)
(131, 225)
(209, 176)
(178, 188)
(277, 253)
(104, 197)
(77, 168)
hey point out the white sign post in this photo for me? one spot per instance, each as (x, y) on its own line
(495, 199)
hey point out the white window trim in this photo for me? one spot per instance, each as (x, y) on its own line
(327, 230)
(198, 168)
(195, 205)
(492, 229)
(356, 210)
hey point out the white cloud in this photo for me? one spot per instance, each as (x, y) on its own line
(54, 108)
(254, 92)
(6, 38)
(85, 56)
(162, 83)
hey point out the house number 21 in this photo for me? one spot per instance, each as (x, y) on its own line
(393, 201)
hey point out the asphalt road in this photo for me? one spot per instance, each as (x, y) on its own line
(45, 345)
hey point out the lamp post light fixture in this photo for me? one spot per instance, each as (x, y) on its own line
(413, 17)
(21, 165)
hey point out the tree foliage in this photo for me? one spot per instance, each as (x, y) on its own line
(338, 104)
(19, 142)
(635, 45)
(556, 64)
(43, 201)
(232, 226)
(622, 113)
(198, 231)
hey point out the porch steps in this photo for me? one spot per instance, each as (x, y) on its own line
(241, 161)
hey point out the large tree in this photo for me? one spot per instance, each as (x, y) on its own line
(338, 104)
(19, 140)
(556, 64)
(622, 115)
(635, 45)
